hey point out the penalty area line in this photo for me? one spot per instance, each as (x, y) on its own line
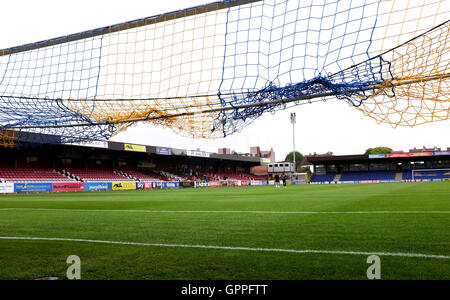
(306, 251)
(230, 211)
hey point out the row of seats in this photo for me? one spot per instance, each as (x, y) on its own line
(407, 175)
(365, 175)
(140, 176)
(253, 177)
(355, 176)
(45, 175)
(382, 175)
(171, 176)
(233, 176)
(32, 175)
(323, 178)
(97, 175)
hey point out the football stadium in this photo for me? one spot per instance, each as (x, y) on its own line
(77, 203)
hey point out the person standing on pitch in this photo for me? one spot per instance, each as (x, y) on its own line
(277, 181)
(284, 178)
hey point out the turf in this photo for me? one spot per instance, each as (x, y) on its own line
(226, 217)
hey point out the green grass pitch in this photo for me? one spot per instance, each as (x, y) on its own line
(247, 231)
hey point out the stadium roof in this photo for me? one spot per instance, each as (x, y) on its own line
(30, 139)
(168, 151)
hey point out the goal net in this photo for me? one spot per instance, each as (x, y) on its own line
(211, 70)
(431, 174)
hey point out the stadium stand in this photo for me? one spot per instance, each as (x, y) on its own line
(172, 176)
(323, 178)
(407, 175)
(368, 175)
(31, 175)
(253, 177)
(139, 176)
(233, 176)
(426, 174)
(97, 175)
(430, 163)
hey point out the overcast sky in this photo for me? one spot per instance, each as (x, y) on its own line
(332, 126)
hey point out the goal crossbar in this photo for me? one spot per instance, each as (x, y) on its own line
(307, 97)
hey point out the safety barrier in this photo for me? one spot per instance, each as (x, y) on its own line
(98, 186)
(34, 187)
(46, 187)
(6, 188)
(68, 187)
(123, 186)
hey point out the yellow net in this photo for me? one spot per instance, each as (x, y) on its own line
(420, 90)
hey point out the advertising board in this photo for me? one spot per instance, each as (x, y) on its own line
(135, 148)
(33, 187)
(68, 186)
(163, 151)
(170, 185)
(123, 186)
(6, 188)
(98, 186)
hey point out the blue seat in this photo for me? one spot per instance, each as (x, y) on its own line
(323, 178)
(368, 175)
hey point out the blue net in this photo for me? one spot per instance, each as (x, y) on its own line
(34, 88)
(282, 50)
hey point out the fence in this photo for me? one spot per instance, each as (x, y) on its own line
(47, 187)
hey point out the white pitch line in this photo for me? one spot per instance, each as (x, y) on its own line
(361, 253)
(232, 211)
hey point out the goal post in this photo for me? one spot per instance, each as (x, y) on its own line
(431, 174)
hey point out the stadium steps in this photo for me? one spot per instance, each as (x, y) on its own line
(337, 177)
(125, 174)
(399, 176)
(68, 175)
